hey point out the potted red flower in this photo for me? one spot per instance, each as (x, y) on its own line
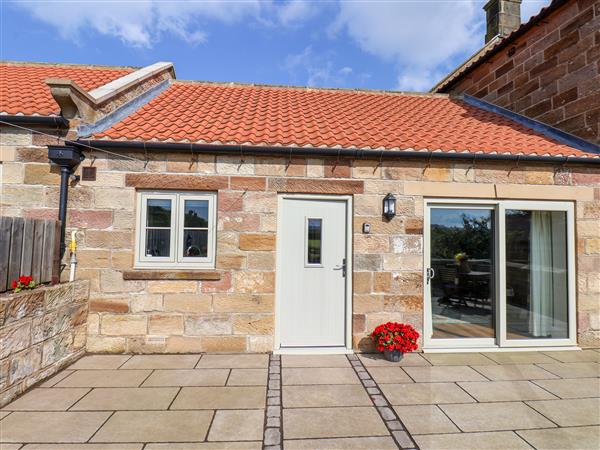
(395, 339)
(24, 282)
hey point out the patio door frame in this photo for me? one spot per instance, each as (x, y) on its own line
(500, 341)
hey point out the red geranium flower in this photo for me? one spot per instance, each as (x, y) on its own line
(395, 336)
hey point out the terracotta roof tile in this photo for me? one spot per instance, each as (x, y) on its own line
(263, 115)
(23, 89)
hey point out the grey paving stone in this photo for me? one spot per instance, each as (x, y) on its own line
(273, 421)
(436, 374)
(358, 443)
(425, 393)
(573, 370)
(155, 426)
(504, 440)
(519, 357)
(325, 395)
(332, 422)
(565, 388)
(457, 359)
(386, 413)
(315, 361)
(377, 360)
(514, 372)
(113, 399)
(234, 361)
(187, 377)
(499, 391)
(232, 425)
(403, 439)
(161, 362)
(99, 362)
(385, 375)
(49, 427)
(300, 376)
(247, 377)
(425, 419)
(495, 416)
(47, 399)
(568, 413)
(575, 356)
(105, 378)
(228, 397)
(563, 438)
(394, 425)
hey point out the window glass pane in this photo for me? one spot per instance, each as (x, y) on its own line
(195, 243)
(314, 241)
(462, 259)
(158, 212)
(536, 274)
(196, 214)
(158, 242)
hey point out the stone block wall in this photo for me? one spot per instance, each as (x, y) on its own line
(551, 73)
(41, 331)
(236, 312)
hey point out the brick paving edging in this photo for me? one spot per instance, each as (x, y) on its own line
(393, 423)
(273, 430)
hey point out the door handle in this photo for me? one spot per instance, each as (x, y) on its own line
(429, 273)
(342, 267)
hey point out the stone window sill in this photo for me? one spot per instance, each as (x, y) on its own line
(149, 274)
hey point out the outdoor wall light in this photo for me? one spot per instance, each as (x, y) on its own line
(389, 206)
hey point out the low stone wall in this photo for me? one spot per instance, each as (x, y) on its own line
(41, 331)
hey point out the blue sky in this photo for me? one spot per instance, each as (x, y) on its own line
(406, 45)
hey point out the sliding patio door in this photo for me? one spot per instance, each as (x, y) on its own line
(499, 274)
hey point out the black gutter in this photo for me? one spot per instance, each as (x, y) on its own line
(320, 152)
(55, 121)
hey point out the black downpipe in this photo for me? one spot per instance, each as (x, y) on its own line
(65, 174)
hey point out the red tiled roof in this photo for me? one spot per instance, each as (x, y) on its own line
(263, 115)
(23, 89)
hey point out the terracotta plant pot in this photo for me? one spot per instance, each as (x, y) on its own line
(393, 355)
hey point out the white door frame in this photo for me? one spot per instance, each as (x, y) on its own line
(349, 271)
(502, 343)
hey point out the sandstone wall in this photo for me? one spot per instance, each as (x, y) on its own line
(551, 73)
(236, 312)
(41, 331)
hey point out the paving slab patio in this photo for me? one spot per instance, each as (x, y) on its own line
(503, 401)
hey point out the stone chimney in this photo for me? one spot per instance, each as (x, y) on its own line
(502, 17)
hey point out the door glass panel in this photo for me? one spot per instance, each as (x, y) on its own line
(158, 227)
(314, 241)
(536, 275)
(462, 259)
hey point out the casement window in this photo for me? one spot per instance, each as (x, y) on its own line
(499, 273)
(176, 230)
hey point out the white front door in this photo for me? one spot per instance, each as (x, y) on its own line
(312, 271)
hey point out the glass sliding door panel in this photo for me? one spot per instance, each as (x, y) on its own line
(462, 259)
(536, 275)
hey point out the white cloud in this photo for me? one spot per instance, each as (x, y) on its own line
(419, 37)
(318, 69)
(141, 23)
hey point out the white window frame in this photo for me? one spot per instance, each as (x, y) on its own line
(176, 259)
(500, 341)
(306, 263)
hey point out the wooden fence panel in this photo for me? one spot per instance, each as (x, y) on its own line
(5, 229)
(29, 247)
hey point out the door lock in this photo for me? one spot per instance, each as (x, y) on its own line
(342, 267)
